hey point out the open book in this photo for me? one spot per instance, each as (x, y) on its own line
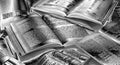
(101, 48)
(64, 29)
(67, 55)
(70, 56)
(92, 10)
(34, 32)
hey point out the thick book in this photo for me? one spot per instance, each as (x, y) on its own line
(33, 32)
(64, 29)
(99, 50)
(91, 10)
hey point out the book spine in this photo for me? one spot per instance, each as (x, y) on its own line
(65, 30)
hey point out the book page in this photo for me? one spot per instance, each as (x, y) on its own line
(65, 56)
(92, 10)
(65, 30)
(109, 44)
(112, 28)
(79, 53)
(59, 7)
(97, 51)
(34, 32)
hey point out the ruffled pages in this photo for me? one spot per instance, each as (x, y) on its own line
(92, 10)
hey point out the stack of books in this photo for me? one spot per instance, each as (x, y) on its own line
(62, 32)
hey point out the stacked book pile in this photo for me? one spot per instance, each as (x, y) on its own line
(64, 32)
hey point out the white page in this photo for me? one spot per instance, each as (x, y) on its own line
(91, 10)
(59, 7)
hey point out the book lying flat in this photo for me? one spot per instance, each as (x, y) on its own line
(33, 32)
(112, 29)
(65, 30)
(34, 55)
(92, 10)
(107, 42)
(70, 55)
(99, 50)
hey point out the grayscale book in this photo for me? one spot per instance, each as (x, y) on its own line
(14, 41)
(112, 28)
(65, 30)
(70, 56)
(96, 50)
(33, 32)
(107, 43)
(96, 11)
